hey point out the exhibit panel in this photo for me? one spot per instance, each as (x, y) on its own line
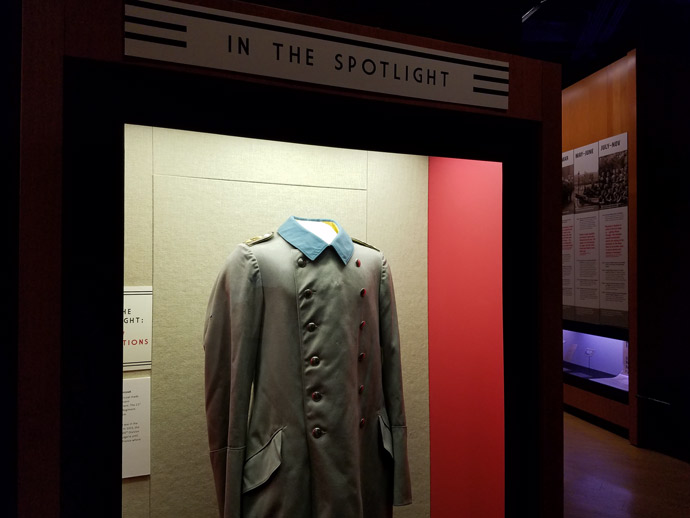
(198, 218)
(599, 244)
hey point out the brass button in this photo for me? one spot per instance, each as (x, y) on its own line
(316, 396)
(311, 326)
(317, 432)
(314, 361)
(301, 262)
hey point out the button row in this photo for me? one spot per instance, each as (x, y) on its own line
(309, 293)
(318, 396)
(318, 432)
(311, 326)
(314, 361)
(302, 262)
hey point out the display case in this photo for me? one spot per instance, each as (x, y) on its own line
(191, 197)
(82, 149)
(597, 364)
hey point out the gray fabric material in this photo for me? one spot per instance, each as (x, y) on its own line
(259, 347)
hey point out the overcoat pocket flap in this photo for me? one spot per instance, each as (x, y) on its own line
(386, 435)
(259, 467)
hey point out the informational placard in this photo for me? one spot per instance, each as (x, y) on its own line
(137, 313)
(613, 223)
(193, 35)
(595, 231)
(567, 228)
(586, 226)
(136, 427)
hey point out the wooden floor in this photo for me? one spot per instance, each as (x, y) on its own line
(605, 476)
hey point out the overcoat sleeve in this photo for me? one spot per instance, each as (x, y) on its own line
(392, 386)
(231, 335)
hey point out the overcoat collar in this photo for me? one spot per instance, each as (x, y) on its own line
(310, 244)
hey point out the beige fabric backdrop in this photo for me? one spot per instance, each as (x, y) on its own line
(190, 198)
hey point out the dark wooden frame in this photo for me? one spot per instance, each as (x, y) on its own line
(70, 234)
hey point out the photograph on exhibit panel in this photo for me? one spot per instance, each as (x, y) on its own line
(613, 172)
(587, 188)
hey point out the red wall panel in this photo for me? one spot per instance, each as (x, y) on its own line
(466, 339)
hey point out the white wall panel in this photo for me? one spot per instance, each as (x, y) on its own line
(205, 155)
(191, 197)
(397, 224)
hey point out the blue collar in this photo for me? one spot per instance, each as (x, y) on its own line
(312, 245)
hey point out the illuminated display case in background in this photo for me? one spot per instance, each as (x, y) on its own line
(596, 363)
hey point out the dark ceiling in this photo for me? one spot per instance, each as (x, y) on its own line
(581, 35)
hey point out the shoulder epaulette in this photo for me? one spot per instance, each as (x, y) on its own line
(355, 240)
(259, 239)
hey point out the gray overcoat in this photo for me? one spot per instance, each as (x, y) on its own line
(304, 394)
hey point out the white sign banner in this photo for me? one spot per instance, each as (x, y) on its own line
(136, 427)
(613, 222)
(613, 258)
(586, 226)
(567, 228)
(137, 316)
(193, 35)
(587, 260)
